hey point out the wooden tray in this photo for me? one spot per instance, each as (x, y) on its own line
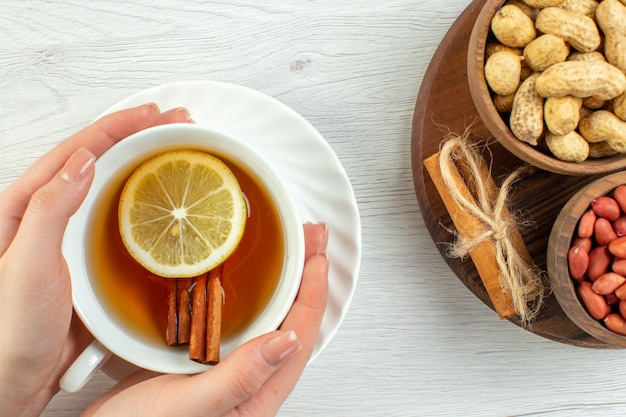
(444, 105)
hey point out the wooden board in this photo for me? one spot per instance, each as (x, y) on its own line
(443, 106)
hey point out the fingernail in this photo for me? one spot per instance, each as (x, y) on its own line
(154, 107)
(280, 348)
(325, 225)
(78, 166)
(180, 112)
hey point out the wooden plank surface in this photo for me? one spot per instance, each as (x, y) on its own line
(416, 341)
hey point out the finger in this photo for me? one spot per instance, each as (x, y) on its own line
(45, 219)
(97, 138)
(110, 129)
(245, 371)
(125, 384)
(315, 238)
(175, 115)
(214, 392)
(304, 318)
(306, 314)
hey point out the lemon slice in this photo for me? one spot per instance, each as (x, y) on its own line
(181, 213)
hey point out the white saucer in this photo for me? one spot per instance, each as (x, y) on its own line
(317, 179)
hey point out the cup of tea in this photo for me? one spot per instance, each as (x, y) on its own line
(126, 307)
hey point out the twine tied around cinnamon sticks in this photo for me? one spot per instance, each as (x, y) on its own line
(486, 230)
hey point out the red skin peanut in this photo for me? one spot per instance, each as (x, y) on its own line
(585, 242)
(619, 266)
(616, 323)
(617, 247)
(578, 261)
(608, 283)
(586, 224)
(612, 299)
(599, 261)
(595, 304)
(606, 207)
(604, 232)
(619, 226)
(619, 194)
(621, 293)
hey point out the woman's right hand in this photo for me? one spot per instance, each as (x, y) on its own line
(255, 379)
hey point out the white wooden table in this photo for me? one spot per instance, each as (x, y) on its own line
(415, 341)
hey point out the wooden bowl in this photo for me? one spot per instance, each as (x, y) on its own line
(559, 243)
(497, 124)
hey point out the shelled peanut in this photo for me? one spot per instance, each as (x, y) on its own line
(554, 63)
(597, 260)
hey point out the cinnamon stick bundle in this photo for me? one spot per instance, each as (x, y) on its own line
(487, 231)
(194, 315)
(468, 226)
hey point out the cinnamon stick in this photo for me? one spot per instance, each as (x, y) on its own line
(171, 331)
(184, 310)
(483, 254)
(197, 339)
(194, 315)
(214, 315)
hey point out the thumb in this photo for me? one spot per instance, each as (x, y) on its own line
(50, 207)
(239, 377)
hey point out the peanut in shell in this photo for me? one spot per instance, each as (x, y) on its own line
(581, 79)
(562, 114)
(578, 30)
(512, 27)
(502, 72)
(544, 51)
(602, 125)
(571, 147)
(526, 121)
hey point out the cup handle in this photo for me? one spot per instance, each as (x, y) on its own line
(84, 367)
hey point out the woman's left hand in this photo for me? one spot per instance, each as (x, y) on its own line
(40, 336)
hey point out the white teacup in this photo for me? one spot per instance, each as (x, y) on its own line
(113, 338)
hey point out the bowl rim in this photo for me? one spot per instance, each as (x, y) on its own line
(494, 121)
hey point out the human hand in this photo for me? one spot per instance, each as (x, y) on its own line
(254, 380)
(40, 337)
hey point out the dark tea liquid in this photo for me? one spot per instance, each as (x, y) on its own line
(137, 300)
